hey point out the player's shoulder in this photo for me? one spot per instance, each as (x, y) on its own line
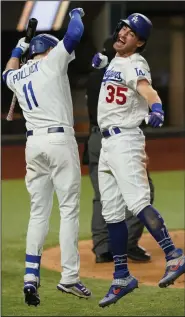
(15, 71)
(137, 60)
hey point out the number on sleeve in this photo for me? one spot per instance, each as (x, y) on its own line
(117, 92)
(25, 90)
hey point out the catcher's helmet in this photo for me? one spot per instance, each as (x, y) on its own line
(41, 43)
(138, 23)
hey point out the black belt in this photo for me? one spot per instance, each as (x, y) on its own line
(106, 133)
(50, 130)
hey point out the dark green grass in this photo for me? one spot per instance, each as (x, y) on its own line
(146, 301)
(169, 200)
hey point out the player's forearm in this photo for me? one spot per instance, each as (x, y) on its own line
(13, 63)
(152, 97)
(149, 94)
(74, 33)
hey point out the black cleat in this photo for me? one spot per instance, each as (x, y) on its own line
(138, 254)
(31, 295)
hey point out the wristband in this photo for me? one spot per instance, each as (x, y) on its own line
(17, 52)
(156, 107)
(75, 12)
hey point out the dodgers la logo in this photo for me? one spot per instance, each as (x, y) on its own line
(112, 75)
(135, 19)
(139, 72)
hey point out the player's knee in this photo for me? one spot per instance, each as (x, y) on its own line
(136, 209)
(135, 206)
(112, 216)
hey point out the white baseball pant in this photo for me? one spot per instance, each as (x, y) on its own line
(52, 164)
(122, 175)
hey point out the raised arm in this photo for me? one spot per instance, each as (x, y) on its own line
(74, 31)
(14, 61)
(63, 53)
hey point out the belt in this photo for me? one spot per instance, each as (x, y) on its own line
(95, 129)
(106, 133)
(50, 130)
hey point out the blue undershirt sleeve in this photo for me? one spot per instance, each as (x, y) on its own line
(74, 33)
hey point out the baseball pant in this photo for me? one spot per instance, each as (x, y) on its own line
(123, 180)
(99, 230)
(52, 164)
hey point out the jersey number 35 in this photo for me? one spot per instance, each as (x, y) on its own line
(116, 94)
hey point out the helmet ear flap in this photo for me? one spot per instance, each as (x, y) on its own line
(141, 49)
(117, 29)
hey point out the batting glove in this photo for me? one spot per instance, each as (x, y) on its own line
(99, 61)
(80, 11)
(22, 45)
(156, 117)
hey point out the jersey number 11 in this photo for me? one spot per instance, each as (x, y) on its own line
(30, 89)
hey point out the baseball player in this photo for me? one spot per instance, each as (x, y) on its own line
(52, 159)
(126, 95)
(100, 235)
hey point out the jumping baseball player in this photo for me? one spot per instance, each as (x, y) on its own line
(125, 98)
(52, 159)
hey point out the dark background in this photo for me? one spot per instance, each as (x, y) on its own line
(158, 55)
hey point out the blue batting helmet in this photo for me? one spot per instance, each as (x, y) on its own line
(138, 23)
(41, 43)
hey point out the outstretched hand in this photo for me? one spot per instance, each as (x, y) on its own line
(76, 10)
(99, 61)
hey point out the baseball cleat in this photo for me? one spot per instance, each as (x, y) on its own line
(77, 289)
(174, 268)
(118, 289)
(31, 294)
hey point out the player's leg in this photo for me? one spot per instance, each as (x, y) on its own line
(66, 176)
(133, 182)
(175, 259)
(114, 215)
(40, 188)
(100, 236)
(135, 231)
